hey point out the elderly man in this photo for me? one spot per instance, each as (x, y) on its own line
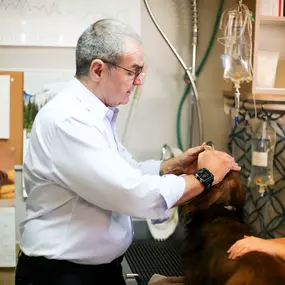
(83, 185)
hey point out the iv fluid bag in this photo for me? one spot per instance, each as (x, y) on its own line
(262, 146)
(237, 57)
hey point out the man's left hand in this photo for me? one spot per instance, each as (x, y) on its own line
(185, 163)
(188, 159)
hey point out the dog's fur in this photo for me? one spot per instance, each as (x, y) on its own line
(212, 228)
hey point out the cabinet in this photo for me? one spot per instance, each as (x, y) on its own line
(268, 45)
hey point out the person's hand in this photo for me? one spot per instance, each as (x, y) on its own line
(217, 162)
(188, 159)
(3, 178)
(249, 244)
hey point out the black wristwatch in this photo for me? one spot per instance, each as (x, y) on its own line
(205, 177)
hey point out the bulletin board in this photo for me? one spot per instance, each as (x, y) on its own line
(61, 22)
(16, 115)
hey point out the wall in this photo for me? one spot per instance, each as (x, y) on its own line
(155, 117)
(210, 82)
(164, 84)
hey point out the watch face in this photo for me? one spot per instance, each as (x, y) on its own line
(205, 177)
(204, 174)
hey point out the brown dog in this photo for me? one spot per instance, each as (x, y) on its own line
(214, 224)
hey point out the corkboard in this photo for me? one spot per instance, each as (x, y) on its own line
(16, 115)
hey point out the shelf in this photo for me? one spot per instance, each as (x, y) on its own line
(270, 102)
(271, 20)
(276, 95)
(270, 91)
(274, 108)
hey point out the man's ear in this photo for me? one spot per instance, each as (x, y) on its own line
(96, 68)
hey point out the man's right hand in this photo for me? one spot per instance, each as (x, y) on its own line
(217, 162)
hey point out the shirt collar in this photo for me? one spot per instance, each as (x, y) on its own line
(93, 103)
(112, 114)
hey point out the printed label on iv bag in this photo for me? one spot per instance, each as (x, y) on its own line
(259, 158)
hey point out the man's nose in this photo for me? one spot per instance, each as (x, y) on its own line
(139, 80)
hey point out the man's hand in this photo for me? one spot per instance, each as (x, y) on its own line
(218, 162)
(188, 159)
(185, 163)
(249, 244)
(3, 178)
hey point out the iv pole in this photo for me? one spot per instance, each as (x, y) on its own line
(193, 68)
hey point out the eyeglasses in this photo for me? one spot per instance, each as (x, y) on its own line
(135, 74)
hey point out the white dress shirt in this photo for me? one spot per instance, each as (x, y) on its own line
(83, 185)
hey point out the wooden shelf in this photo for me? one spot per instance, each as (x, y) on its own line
(270, 91)
(271, 20)
(276, 103)
(262, 95)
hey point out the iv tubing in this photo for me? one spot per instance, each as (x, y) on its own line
(201, 131)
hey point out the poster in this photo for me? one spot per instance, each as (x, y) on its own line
(62, 20)
(39, 88)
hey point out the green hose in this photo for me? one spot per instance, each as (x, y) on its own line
(200, 67)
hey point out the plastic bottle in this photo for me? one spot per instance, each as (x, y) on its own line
(262, 149)
(238, 50)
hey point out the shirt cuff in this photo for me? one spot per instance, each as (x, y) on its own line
(173, 190)
(175, 187)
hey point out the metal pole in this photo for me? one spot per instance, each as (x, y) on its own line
(189, 75)
(193, 69)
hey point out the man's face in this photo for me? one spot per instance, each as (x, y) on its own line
(119, 81)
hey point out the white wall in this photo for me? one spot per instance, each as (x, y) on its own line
(164, 85)
(155, 120)
(154, 123)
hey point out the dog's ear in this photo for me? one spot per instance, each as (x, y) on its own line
(229, 191)
(203, 201)
(233, 190)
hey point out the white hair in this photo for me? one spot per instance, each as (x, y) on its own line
(103, 40)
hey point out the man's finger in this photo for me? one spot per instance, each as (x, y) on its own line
(236, 167)
(195, 150)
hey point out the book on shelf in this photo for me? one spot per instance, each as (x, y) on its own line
(274, 8)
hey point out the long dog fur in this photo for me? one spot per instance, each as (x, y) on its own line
(214, 224)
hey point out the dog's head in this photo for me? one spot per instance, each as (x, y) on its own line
(229, 192)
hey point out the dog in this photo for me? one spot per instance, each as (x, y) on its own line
(213, 223)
